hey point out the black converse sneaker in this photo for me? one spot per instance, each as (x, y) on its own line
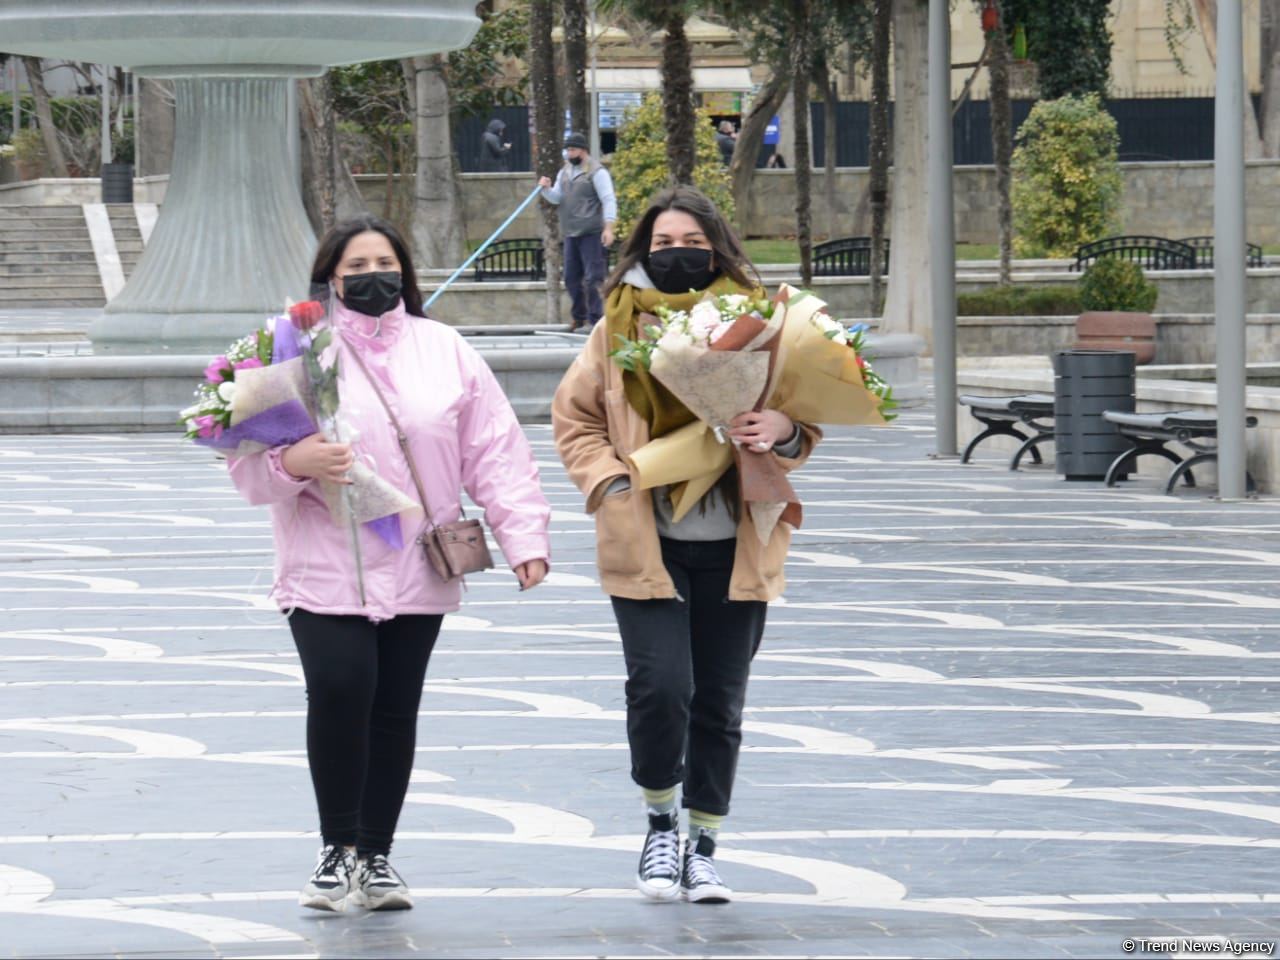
(698, 877)
(330, 884)
(379, 887)
(658, 876)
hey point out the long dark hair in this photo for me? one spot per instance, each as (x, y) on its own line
(730, 258)
(334, 244)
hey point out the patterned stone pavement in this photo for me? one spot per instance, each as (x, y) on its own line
(996, 715)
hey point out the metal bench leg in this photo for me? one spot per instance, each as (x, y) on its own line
(1142, 447)
(1030, 447)
(1183, 470)
(994, 429)
(1118, 465)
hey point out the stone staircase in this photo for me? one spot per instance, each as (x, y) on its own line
(124, 224)
(46, 258)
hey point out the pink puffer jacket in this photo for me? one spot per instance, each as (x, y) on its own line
(463, 433)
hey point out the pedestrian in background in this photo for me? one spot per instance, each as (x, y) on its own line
(727, 140)
(588, 208)
(495, 151)
(690, 596)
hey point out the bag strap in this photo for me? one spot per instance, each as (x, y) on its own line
(401, 437)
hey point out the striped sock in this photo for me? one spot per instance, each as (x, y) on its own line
(660, 801)
(700, 823)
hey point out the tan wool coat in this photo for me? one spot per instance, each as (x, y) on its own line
(596, 429)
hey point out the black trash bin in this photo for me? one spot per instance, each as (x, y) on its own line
(1087, 382)
(117, 183)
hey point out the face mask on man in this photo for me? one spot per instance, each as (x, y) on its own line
(680, 269)
(372, 294)
(576, 160)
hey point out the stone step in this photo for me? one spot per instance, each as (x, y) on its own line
(59, 233)
(46, 260)
(42, 212)
(8, 222)
(25, 248)
(79, 277)
(22, 287)
(18, 303)
(72, 268)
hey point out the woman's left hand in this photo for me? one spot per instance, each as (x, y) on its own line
(531, 573)
(760, 430)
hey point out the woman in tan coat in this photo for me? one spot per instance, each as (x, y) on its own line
(690, 596)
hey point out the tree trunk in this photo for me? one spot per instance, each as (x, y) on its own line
(800, 42)
(1270, 63)
(44, 115)
(328, 191)
(547, 132)
(677, 96)
(1207, 10)
(831, 198)
(439, 234)
(907, 302)
(879, 159)
(742, 169)
(1002, 144)
(153, 130)
(575, 55)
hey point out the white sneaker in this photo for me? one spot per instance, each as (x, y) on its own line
(330, 883)
(379, 887)
(658, 875)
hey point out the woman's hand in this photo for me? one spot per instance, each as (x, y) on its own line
(760, 430)
(317, 458)
(531, 573)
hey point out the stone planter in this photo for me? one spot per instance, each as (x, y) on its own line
(1117, 330)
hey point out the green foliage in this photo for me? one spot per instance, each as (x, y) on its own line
(1020, 301)
(1066, 178)
(1115, 284)
(29, 152)
(477, 77)
(1070, 42)
(640, 169)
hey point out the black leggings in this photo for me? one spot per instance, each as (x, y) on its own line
(364, 682)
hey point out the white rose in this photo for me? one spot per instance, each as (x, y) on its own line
(703, 318)
(735, 302)
(227, 390)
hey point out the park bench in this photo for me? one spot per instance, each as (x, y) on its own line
(1150, 253)
(1149, 432)
(1203, 247)
(999, 417)
(847, 257)
(511, 260)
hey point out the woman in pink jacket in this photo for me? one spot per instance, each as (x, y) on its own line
(365, 663)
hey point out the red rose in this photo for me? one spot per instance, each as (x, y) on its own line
(306, 314)
(862, 364)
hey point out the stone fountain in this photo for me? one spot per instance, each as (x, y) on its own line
(233, 240)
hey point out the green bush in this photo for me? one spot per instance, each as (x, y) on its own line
(1020, 301)
(640, 168)
(29, 153)
(1114, 284)
(1066, 178)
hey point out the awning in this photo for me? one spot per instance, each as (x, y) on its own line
(705, 79)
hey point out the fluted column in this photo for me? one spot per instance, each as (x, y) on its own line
(232, 241)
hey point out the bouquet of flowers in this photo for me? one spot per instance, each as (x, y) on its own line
(730, 354)
(279, 385)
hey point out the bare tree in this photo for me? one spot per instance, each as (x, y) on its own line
(999, 64)
(1207, 11)
(575, 55)
(879, 147)
(801, 65)
(907, 302)
(439, 232)
(44, 116)
(1270, 62)
(742, 169)
(547, 131)
(824, 78)
(329, 192)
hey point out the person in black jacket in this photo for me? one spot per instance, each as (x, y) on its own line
(495, 152)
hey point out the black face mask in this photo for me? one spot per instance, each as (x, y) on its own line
(372, 294)
(576, 161)
(680, 269)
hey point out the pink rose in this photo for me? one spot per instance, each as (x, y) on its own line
(249, 364)
(205, 426)
(217, 369)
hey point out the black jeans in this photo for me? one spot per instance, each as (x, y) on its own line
(364, 683)
(687, 666)
(584, 265)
